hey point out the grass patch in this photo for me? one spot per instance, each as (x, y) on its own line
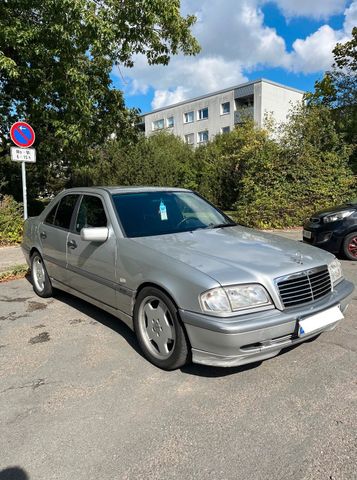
(18, 271)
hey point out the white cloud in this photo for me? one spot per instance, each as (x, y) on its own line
(350, 18)
(183, 78)
(311, 8)
(314, 53)
(168, 97)
(234, 40)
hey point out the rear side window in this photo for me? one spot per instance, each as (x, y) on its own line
(65, 211)
(50, 219)
(91, 213)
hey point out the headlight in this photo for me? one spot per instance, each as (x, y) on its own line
(334, 217)
(236, 297)
(335, 271)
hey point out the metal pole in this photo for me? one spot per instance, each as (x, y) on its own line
(24, 190)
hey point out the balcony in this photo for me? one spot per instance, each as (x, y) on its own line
(243, 113)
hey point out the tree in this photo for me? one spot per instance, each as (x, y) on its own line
(161, 159)
(56, 57)
(305, 169)
(338, 91)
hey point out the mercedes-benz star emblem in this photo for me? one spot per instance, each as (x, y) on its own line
(298, 258)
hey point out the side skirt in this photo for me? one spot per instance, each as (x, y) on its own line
(127, 319)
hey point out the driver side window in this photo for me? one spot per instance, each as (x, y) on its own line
(91, 213)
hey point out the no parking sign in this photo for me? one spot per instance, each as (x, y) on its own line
(22, 134)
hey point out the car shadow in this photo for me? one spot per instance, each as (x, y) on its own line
(13, 473)
(115, 324)
(119, 327)
(216, 372)
(99, 315)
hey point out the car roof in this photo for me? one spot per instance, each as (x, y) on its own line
(126, 189)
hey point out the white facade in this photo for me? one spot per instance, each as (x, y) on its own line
(200, 119)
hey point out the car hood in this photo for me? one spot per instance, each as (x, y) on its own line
(338, 208)
(237, 254)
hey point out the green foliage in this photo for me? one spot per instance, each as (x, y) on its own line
(161, 159)
(338, 91)
(11, 221)
(218, 166)
(303, 170)
(18, 271)
(266, 179)
(56, 57)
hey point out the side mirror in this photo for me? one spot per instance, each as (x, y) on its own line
(97, 234)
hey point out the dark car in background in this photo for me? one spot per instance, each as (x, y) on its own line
(334, 229)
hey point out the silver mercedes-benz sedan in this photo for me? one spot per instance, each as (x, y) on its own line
(191, 283)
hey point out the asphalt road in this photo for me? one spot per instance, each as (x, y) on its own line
(79, 402)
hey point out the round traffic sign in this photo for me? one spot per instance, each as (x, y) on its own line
(22, 134)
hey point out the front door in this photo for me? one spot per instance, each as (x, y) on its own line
(91, 265)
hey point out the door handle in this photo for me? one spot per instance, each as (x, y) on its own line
(43, 235)
(71, 244)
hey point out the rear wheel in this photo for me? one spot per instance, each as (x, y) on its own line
(159, 330)
(350, 246)
(41, 282)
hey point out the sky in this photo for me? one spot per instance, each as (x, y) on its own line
(287, 41)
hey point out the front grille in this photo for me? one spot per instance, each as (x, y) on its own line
(314, 220)
(304, 287)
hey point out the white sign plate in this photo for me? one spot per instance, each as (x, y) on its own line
(23, 154)
(320, 320)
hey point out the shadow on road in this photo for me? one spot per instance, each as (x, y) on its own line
(215, 372)
(100, 316)
(13, 473)
(119, 327)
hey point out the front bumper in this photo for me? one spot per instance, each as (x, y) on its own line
(254, 337)
(326, 236)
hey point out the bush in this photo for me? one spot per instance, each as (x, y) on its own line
(11, 221)
(266, 178)
(161, 159)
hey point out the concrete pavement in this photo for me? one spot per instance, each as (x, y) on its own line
(79, 402)
(10, 257)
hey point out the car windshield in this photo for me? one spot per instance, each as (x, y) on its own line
(144, 214)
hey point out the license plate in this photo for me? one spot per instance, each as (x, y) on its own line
(306, 234)
(319, 320)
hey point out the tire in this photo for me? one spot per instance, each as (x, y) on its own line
(350, 246)
(40, 280)
(159, 330)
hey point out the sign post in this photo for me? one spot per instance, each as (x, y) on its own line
(23, 135)
(24, 188)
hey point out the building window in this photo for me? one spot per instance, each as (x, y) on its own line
(188, 117)
(202, 137)
(202, 114)
(225, 129)
(170, 122)
(158, 124)
(225, 108)
(189, 139)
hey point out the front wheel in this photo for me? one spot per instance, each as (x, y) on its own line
(159, 330)
(40, 280)
(350, 246)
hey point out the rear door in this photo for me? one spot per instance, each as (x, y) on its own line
(53, 232)
(91, 265)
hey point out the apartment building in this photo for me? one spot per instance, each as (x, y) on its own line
(200, 119)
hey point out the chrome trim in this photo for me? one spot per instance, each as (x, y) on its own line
(296, 275)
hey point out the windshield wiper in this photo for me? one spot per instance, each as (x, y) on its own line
(222, 225)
